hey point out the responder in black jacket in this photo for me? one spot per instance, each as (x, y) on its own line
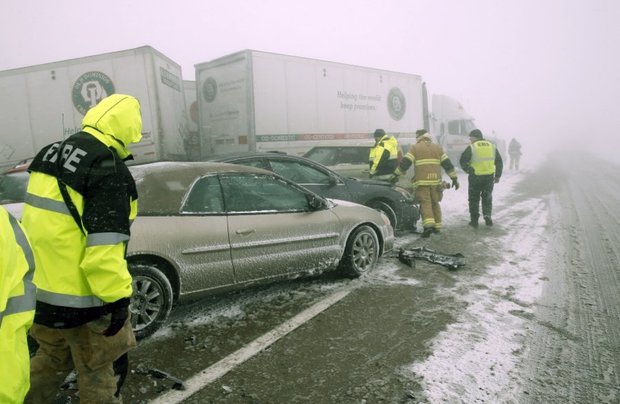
(383, 158)
(80, 202)
(483, 163)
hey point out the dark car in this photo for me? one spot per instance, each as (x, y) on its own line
(351, 160)
(396, 202)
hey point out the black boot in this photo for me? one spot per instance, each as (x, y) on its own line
(474, 223)
(488, 221)
(427, 232)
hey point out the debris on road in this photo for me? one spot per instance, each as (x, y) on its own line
(408, 255)
(177, 384)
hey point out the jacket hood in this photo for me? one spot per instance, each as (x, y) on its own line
(424, 138)
(115, 121)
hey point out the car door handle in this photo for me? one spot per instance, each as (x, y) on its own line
(245, 232)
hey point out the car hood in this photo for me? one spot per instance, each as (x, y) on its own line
(370, 182)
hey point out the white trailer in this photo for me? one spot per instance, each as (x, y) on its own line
(46, 103)
(254, 100)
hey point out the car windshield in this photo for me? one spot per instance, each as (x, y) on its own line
(330, 156)
(322, 155)
(13, 187)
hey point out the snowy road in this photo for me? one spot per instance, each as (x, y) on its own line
(533, 317)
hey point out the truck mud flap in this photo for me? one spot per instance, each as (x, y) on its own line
(408, 256)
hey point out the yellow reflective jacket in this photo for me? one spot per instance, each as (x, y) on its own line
(17, 303)
(383, 157)
(81, 237)
(481, 158)
(428, 159)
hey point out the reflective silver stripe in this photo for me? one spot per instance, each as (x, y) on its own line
(105, 239)
(27, 301)
(47, 204)
(60, 299)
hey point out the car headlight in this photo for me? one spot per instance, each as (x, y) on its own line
(406, 194)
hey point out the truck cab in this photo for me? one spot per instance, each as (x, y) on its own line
(451, 124)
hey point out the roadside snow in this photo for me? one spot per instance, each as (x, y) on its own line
(474, 357)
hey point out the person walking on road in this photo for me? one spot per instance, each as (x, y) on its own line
(514, 151)
(483, 163)
(17, 303)
(80, 202)
(383, 158)
(428, 159)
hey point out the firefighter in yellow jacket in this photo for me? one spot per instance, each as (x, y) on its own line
(428, 159)
(80, 202)
(17, 302)
(383, 158)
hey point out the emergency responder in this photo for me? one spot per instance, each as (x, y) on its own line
(428, 159)
(17, 302)
(484, 164)
(514, 151)
(81, 200)
(383, 158)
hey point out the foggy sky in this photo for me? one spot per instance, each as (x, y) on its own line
(544, 71)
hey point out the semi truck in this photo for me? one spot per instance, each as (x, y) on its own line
(45, 103)
(260, 101)
(451, 124)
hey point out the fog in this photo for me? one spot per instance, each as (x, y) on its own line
(544, 71)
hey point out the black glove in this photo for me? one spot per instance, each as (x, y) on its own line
(455, 183)
(393, 178)
(496, 180)
(120, 312)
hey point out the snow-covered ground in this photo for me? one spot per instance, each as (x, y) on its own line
(474, 357)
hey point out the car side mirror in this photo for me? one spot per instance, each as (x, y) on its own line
(316, 203)
(333, 181)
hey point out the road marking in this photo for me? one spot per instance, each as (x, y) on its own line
(225, 365)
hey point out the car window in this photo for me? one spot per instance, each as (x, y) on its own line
(255, 193)
(13, 187)
(299, 172)
(353, 155)
(322, 155)
(205, 197)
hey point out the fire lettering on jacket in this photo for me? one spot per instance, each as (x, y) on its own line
(71, 156)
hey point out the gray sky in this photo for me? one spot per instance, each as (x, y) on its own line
(544, 71)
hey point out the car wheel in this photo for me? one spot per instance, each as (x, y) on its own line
(387, 209)
(361, 253)
(151, 301)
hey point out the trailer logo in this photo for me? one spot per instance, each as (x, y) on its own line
(397, 105)
(89, 89)
(209, 89)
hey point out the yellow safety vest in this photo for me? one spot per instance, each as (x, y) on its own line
(483, 157)
(17, 304)
(388, 143)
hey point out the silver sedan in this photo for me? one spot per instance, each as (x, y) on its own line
(214, 227)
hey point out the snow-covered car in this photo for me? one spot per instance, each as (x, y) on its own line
(13, 184)
(352, 160)
(207, 227)
(396, 202)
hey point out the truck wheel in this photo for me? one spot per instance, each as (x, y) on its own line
(361, 252)
(151, 301)
(387, 209)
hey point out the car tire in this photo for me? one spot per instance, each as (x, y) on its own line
(387, 209)
(361, 252)
(151, 301)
